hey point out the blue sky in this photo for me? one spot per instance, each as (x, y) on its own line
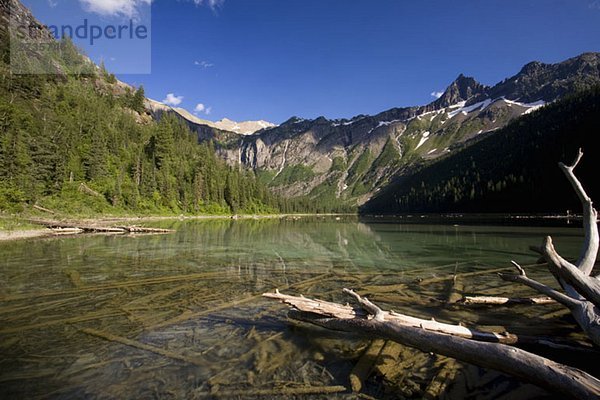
(271, 59)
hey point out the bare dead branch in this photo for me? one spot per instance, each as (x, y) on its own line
(583, 284)
(563, 299)
(369, 307)
(569, 381)
(589, 251)
(519, 268)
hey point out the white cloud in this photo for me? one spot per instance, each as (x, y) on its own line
(204, 64)
(213, 4)
(201, 108)
(129, 8)
(437, 95)
(109, 8)
(173, 100)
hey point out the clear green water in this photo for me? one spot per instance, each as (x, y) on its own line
(180, 315)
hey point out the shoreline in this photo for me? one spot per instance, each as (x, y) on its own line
(37, 223)
(7, 235)
(41, 232)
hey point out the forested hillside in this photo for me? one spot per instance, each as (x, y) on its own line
(83, 144)
(513, 170)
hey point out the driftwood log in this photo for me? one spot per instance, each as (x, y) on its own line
(61, 227)
(486, 349)
(505, 301)
(581, 289)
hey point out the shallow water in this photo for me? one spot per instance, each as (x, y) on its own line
(181, 316)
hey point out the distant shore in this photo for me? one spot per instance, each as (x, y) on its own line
(31, 222)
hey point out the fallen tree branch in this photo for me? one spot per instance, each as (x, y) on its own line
(87, 190)
(505, 301)
(139, 345)
(40, 208)
(373, 321)
(585, 285)
(522, 278)
(340, 311)
(585, 313)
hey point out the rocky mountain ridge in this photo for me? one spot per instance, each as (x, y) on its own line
(349, 160)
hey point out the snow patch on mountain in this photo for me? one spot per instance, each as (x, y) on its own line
(386, 123)
(424, 138)
(530, 106)
(242, 128)
(482, 105)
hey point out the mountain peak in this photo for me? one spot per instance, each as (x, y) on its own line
(532, 68)
(293, 120)
(532, 82)
(461, 89)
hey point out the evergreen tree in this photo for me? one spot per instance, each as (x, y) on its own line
(138, 100)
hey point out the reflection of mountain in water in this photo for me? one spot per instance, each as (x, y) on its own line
(272, 244)
(324, 242)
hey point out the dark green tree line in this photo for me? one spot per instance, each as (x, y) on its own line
(59, 131)
(512, 170)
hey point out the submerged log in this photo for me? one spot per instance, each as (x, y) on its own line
(139, 345)
(506, 301)
(456, 290)
(440, 382)
(371, 321)
(284, 391)
(364, 366)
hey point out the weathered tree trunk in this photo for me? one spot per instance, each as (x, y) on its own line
(582, 296)
(530, 367)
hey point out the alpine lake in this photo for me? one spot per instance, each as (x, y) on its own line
(181, 315)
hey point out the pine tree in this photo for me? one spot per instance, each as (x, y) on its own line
(138, 100)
